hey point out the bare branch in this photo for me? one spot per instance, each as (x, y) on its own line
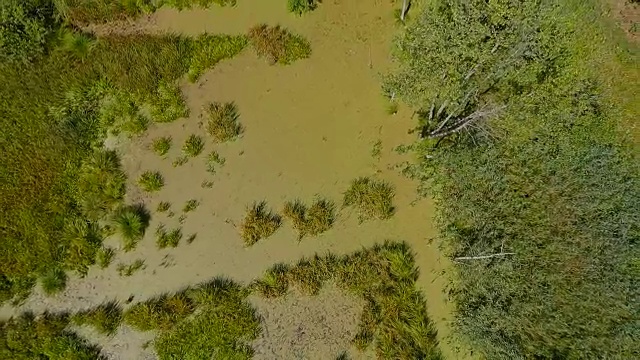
(483, 256)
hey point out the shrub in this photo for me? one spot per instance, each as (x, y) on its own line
(193, 146)
(162, 145)
(372, 198)
(151, 181)
(222, 122)
(278, 45)
(25, 27)
(300, 7)
(131, 223)
(105, 318)
(54, 281)
(259, 223)
(310, 221)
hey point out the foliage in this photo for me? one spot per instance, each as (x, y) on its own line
(162, 145)
(193, 146)
(278, 45)
(131, 223)
(43, 337)
(151, 181)
(372, 198)
(105, 318)
(168, 104)
(313, 220)
(300, 7)
(395, 316)
(54, 281)
(208, 50)
(130, 269)
(171, 238)
(550, 180)
(213, 161)
(222, 122)
(25, 26)
(259, 223)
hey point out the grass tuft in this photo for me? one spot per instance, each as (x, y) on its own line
(300, 7)
(278, 45)
(222, 121)
(208, 50)
(193, 146)
(163, 207)
(151, 181)
(168, 239)
(372, 198)
(310, 221)
(214, 160)
(274, 283)
(162, 145)
(131, 223)
(160, 313)
(258, 223)
(105, 318)
(180, 161)
(190, 206)
(127, 270)
(105, 256)
(54, 281)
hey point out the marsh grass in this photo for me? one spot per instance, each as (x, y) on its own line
(168, 104)
(222, 121)
(167, 239)
(83, 239)
(162, 145)
(190, 206)
(101, 184)
(160, 313)
(180, 161)
(278, 45)
(53, 281)
(151, 181)
(127, 270)
(208, 50)
(310, 221)
(105, 256)
(394, 319)
(131, 223)
(163, 207)
(193, 146)
(44, 336)
(259, 223)
(300, 7)
(78, 44)
(214, 160)
(105, 318)
(373, 199)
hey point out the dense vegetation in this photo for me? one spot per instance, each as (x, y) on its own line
(62, 93)
(538, 189)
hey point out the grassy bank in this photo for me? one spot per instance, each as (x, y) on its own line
(522, 107)
(62, 93)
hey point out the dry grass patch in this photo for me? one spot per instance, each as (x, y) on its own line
(372, 198)
(222, 121)
(259, 223)
(278, 45)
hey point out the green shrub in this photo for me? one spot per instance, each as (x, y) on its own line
(151, 181)
(193, 146)
(300, 7)
(222, 122)
(259, 223)
(372, 198)
(131, 223)
(162, 145)
(105, 318)
(278, 45)
(54, 281)
(25, 27)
